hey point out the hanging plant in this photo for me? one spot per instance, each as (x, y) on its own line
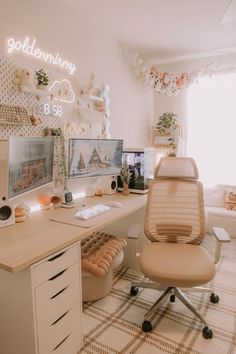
(60, 170)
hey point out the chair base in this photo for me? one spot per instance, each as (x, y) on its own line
(174, 292)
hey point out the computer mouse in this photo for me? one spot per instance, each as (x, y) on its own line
(115, 204)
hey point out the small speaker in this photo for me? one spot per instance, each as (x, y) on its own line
(110, 184)
(7, 215)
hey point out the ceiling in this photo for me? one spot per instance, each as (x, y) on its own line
(165, 30)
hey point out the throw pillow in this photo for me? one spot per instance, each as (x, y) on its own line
(230, 199)
(213, 197)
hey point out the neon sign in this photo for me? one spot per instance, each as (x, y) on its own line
(62, 91)
(28, 46)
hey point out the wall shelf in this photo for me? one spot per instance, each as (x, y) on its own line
(88, 103)
(96, 98)
(36, 91)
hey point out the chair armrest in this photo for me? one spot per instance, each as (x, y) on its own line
(220, 234)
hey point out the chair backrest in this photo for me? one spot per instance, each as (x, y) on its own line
(175, 206)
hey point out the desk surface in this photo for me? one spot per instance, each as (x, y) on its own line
(25, 243)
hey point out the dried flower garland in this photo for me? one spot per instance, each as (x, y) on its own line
(169, 83)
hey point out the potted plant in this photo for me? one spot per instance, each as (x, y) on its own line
(42, 79)
(166, 127)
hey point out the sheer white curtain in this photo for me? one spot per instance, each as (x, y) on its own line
(211, 106)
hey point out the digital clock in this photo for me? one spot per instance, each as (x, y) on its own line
(52, 109)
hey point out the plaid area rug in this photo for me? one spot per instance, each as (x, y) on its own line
(113, 324)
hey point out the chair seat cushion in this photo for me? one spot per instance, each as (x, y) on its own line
(177, 265)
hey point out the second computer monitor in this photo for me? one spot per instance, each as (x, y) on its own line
(94, 157)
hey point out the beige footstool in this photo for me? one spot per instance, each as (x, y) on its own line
(101, 253)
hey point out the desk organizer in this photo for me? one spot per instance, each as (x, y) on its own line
(100, 253)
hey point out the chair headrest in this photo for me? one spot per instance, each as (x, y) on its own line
(177, 167)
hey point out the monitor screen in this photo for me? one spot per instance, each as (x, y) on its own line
(30, 164)
(94, 157)
(141, 166)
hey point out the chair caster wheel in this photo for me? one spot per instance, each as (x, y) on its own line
(214, 298)
(207, 333)
(146, 326)
(133, 291)
(172, 298)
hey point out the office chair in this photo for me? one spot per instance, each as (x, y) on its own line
(175, 225)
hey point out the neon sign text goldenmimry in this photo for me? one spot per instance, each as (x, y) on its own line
(29, 47)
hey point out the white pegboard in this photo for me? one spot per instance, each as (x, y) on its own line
(74, 118)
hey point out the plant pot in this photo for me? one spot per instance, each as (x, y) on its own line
(42, 87)
(125, 189)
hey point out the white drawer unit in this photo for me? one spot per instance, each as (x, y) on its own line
(53, 265)
(62, 333)
(41, 306)
(56, 298)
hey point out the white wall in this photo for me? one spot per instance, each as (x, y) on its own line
(58, 27)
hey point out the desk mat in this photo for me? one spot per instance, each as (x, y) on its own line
(70, 218)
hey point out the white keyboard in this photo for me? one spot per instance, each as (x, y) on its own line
(89, 213)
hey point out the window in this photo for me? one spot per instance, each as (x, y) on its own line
(211, 106)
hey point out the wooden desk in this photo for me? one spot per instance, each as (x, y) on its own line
(25, 243)
(40, 279)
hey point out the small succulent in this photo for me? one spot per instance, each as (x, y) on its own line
(41, 77)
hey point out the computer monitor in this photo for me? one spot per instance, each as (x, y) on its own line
(30, 163)
(141, 166)
(94, 157)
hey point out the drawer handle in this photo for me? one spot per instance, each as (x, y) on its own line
(57, 275)
(57, 256)
(62, 342)
(59, 292)
(60, 318)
